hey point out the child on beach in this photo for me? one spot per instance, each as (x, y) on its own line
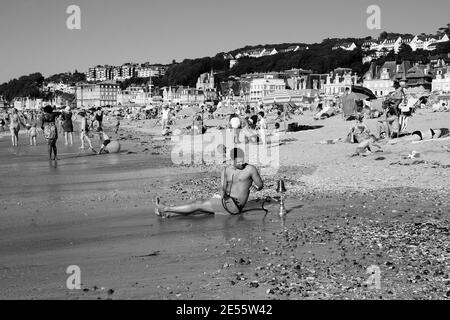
(33, 133)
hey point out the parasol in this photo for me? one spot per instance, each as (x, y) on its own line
(363, 93)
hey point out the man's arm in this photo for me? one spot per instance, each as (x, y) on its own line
(257, 179)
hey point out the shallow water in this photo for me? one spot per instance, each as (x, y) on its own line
(96, 212)
(69, 187)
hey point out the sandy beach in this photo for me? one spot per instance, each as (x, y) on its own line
(345, 215)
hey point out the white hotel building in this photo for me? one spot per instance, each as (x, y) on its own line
(442, 81)
(261, 87)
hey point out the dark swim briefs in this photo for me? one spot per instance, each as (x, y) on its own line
(226, 205)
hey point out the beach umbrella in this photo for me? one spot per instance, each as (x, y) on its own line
(363, 93)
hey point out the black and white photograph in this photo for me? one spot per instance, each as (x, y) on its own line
(225, 151)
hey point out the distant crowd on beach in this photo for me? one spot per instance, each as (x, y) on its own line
(49, 122)
(248, 122)
(393, 114)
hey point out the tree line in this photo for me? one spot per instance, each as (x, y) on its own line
(320, 58)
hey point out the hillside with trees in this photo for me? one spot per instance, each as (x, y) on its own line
(25, 86)
(320, 58)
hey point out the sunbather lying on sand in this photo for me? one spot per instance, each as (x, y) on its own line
(237, 181)
(326, 112)
(423, 135)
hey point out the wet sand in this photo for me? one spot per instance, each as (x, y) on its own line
(346, 214)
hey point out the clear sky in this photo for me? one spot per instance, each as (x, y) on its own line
(34, 37)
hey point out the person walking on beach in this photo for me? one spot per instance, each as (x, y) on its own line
(48, 125)
(84, 130)
(237, 179)
(67, 125)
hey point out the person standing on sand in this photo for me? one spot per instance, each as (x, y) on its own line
(48, 125)
(33, 133)
(235, 124)
(165, 117)
(396, 98)
(237, 182)
(262, 127)
(14, 127)
(67, 125)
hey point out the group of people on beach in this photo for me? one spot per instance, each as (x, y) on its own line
(48, 120)
(392, 124)
(246, 123)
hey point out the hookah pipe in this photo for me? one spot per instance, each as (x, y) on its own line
(281, 189)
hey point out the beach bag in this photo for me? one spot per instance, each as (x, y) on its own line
(50, 131)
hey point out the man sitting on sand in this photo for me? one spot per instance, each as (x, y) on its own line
(237, 182)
